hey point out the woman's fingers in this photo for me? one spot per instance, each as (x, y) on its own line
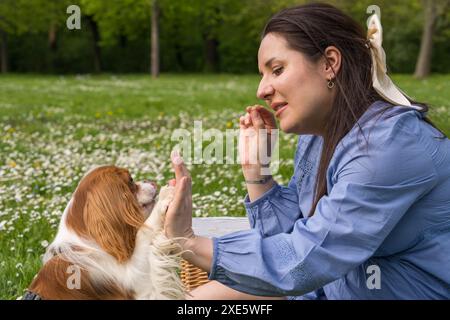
(177, 206)
(248, 120)
(245, 121)
(183, 198)
(180, 193)
(178, 222)
(257, 121)
(178, 165)
(267, 117)
(242, 122)
(259, 117)
(188, 192)
(185, 171)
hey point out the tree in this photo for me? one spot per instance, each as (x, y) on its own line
(7, 16)
(54, 20)
(211, 17)
(119, 20)
(3, 48)
(423, 65)
(18, 17)
(432, 11)
(93, 26)
(155, 39)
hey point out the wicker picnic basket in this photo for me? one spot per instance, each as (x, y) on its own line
(191, 276)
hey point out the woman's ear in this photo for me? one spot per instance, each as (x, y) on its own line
(332, 63)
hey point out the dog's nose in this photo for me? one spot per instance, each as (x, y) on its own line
(152, 183)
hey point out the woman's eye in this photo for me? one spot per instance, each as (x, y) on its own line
(278, 71)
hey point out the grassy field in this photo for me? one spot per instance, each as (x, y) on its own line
(53, 129)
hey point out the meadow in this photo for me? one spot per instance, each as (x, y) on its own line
(53, 129)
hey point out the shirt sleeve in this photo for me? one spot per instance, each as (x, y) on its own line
(276, 210)
(371, 192)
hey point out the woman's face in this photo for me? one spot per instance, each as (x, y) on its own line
(288, 77)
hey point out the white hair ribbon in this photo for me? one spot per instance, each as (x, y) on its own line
(381, 81)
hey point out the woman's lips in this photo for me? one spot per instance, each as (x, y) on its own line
(280, 110)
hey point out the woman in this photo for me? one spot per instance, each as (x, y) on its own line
(366, 214)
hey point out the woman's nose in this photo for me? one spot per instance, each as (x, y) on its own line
(264, 91)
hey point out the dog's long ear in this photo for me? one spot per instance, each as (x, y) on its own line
(110, 213)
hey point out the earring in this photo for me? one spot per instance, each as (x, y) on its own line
(330, 84)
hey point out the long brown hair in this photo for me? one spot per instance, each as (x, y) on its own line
(310, 29)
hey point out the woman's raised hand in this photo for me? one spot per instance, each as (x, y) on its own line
(178, 222)
(257, 130)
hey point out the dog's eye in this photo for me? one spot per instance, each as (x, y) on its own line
(132, 185)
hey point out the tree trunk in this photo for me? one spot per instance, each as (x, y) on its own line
(177, 48)
(52, 37)
(211, 44)
(155, 40)
(95, 44)
(423, 65)
(4, 51)
(52, 45)
(211, 55)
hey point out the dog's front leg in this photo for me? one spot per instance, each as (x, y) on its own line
(153, 225)
(155, 222)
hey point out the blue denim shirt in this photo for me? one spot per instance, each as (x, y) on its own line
(387, 207)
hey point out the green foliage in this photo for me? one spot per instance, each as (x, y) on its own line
(125, 18)
(24, 16)
(185, 27)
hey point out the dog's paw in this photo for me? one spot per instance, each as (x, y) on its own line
(166, 195)
(156, 218)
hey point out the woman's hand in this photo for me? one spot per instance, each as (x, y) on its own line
(257, 132)
(178, 222)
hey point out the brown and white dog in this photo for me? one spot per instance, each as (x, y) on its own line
(111, 244)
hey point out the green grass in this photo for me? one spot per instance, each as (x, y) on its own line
(53, 129)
